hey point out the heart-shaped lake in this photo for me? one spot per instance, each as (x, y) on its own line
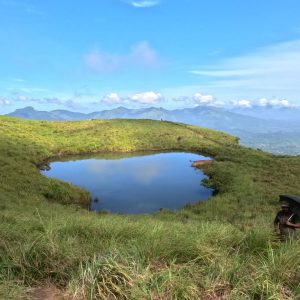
(137, 182)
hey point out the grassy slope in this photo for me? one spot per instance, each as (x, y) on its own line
(222, 247)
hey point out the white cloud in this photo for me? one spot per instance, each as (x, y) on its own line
(200, 99)
(4, 102)
(223, 73)
(146, 97)
(112, 98)
(262, 102)
(203, 99)
(242, 103)
(143, 3)
(141, 54)
(102, 62)
(274, 102)
(20, 98)
(273, 71)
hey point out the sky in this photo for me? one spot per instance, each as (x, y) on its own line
(99, 54)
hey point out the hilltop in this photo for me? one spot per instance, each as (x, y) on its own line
(274, 130)
(224, 248)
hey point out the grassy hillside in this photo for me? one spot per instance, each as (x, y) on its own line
(221, 248)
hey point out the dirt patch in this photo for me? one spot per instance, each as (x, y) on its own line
(47, 292)
(157, 266)
(201, 163)
(219, 292)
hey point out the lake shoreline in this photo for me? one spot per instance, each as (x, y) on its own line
(141, 163)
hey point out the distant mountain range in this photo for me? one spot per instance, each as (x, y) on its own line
(276, 130)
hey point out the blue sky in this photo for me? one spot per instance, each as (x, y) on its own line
(98, 54)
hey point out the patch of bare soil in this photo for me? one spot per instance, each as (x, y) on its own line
(201, 163)
(47, 292)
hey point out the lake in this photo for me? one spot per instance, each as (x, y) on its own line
(137, 182)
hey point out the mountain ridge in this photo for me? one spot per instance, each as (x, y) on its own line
(268, 134)
(206, 116)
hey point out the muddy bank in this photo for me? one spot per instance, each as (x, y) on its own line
(201, 163)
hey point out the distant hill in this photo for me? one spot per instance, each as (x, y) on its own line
(266, 132)
(54, 115)
(206, 116)
(274, 113)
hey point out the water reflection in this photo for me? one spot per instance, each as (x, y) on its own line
(135, 183)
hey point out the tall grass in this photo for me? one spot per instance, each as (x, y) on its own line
(223, 248)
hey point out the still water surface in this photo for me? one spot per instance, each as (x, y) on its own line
(135, 183)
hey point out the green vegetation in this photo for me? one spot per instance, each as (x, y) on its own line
(221, 248)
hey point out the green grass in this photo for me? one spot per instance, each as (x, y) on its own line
(223, 247)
